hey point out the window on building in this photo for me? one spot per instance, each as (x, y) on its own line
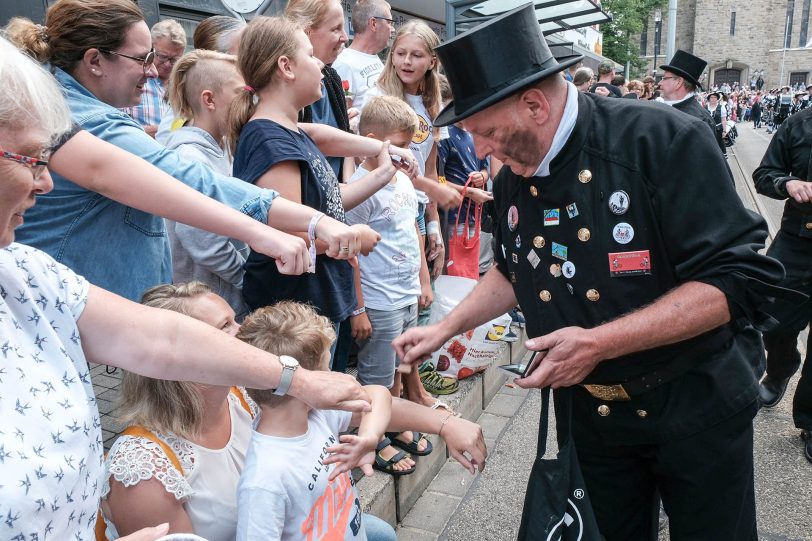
(644, 40)
(732, 23)
(788, 24)
(797, 77)
(804, 24)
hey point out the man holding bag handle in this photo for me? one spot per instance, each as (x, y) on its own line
(635, 268)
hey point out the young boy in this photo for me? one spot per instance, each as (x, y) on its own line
(393, 280)
(296, 482)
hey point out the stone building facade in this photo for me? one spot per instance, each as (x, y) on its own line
(740, 40)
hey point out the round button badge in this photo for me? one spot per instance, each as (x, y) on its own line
(623, 233)
(513, 218)
(619, 202)
(568, 269)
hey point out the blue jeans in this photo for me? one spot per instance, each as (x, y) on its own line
(378, 529)
(376, 356)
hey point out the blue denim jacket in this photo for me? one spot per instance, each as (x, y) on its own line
(114, 246)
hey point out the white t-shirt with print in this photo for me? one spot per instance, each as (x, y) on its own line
(208, 485)
(51, 451)
(361, 70)
(284, 494)
(390, 274)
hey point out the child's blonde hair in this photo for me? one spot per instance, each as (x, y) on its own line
(384, 115)
(287, 328)
(195, 72)
(157, 404)
(429, 89)
(307, 14)
(264, 42)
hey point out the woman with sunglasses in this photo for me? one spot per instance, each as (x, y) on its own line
(100, 53)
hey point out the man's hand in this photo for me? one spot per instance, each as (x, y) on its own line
(418, 343)
(148, 534)
(289, 252)
(329, 391)
(437, 263)
(361, 327)
(799, 190)
(352, 451)
(572, 353)
(461, 437)
(601, 91)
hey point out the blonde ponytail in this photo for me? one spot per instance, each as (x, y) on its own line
(30, 38)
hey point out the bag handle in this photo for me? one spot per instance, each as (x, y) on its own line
(477, 217)
(564, 404)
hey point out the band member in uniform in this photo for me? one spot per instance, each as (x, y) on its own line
(786, 173)
(663, 395)
(678, 86)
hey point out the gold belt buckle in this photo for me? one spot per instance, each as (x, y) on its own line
(610, 393)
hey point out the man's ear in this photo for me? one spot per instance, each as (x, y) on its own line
(535, 103)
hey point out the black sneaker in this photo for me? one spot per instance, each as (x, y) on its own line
(808, 446)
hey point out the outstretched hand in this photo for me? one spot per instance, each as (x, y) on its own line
(352, 451)
(329, 391)
(466, 443)
(418, 343)
(289, 251)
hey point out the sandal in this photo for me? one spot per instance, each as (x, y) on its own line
(413, 447)
(437, 384)
(388, 466)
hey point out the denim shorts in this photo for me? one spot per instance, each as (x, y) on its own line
(376, 356)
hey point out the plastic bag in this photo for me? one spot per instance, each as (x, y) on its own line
(472, 351)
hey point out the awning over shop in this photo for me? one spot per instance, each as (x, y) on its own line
(553, 15)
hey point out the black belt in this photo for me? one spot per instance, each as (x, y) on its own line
(623, 392)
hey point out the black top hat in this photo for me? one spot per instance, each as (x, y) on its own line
(717, 94)
(494, 60)
(687, 66)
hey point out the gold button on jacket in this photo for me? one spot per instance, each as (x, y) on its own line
(603, 410)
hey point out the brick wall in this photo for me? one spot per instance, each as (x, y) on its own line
(703, 29)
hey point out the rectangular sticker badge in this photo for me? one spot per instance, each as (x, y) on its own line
(629, 263)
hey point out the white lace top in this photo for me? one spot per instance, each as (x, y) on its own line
(209, 487)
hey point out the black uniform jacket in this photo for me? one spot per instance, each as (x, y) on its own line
(788, 157)
(638, 201)
(691, 106)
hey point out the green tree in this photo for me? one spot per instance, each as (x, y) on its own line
(629, 18)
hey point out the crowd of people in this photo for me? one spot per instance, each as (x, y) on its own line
(227, 223)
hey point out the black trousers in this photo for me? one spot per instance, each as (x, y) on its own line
(783, 357)
(705, 482)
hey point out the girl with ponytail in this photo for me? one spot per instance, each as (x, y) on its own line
(272, 151)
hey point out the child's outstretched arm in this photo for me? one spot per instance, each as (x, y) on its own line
(460, 435)
(359, 450)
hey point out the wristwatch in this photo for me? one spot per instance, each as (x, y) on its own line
(289, 366)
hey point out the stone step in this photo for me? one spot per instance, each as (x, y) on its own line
(393, 498)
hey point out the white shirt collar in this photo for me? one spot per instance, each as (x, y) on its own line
(562, 133)
(674, 102)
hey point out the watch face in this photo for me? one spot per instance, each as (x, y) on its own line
(288, 361)
(243, 6)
